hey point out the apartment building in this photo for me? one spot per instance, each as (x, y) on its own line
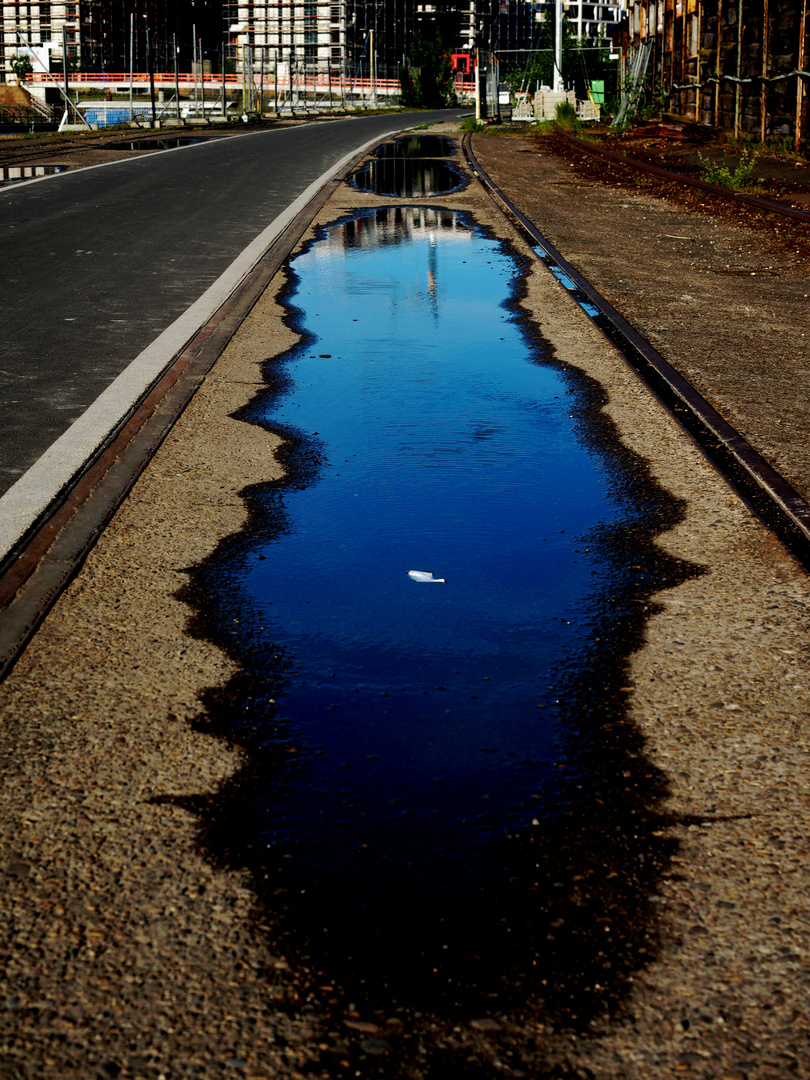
(104, 35)
(340, 35)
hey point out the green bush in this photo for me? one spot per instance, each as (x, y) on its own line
(471, 124)
(724, 177)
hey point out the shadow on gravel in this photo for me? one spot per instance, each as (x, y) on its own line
(546, 943)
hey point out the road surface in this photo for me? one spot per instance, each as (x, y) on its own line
(101, 262)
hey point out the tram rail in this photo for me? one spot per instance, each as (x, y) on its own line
(755, 201)
(777, 502)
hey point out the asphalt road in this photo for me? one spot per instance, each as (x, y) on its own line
(97, 263)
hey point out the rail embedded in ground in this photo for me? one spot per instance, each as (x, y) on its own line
(782, 508)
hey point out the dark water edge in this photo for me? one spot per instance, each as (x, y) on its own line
(408, 177)
(561, 931)
(416, 146)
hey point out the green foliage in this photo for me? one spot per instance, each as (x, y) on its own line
(653, 99)
(580, 63)
(471, 124)
(724, 177)
(427, 77)
(645, 102)
(567, 117)
(21, 65)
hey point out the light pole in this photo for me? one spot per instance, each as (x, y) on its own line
(558, 82)
(238, 28)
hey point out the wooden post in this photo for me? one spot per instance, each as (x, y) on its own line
(737, 87)
(684, 54)
(763, 94)
(717, 64)
(800, 87)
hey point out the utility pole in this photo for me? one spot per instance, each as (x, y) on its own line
(131, 57)
(202, 74)
(150, 60)
(224, 99)
(65, 69)
(176, 78)
(373, 62)
(261, 82)
(558, 24)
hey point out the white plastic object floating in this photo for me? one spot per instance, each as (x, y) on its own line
(425, 575)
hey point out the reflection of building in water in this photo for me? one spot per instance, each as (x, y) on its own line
(389, 226)
(408, 177)
(396, 224)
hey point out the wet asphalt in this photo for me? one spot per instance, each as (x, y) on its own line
(98, 262)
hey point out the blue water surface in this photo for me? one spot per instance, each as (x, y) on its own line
(419, 720)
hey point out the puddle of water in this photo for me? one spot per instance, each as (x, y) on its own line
(11, 173)
(158, 144)
(417, 146)
(403, 809)
(408, 177)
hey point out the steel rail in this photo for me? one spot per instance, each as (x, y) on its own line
(48, 560)
(689, 181)
(777, 502)
(21, 156)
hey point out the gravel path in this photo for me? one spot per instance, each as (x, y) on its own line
(722, 301)
(126, 953)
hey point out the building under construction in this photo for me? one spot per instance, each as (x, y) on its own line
(112, 35)
(337, 39)
(348, 37)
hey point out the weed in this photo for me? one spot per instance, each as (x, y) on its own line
(471, 124)
(722, 174)
(567, 117)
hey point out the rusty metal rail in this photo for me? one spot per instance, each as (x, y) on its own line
(776, 501)
(689, 181)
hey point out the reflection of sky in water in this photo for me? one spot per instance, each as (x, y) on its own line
(414, 706)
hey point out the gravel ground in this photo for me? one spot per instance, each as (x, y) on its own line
(127, 953)
(716, 288)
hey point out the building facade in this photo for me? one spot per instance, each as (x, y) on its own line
(727, 63)
(106, 35)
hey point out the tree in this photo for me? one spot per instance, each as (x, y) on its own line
(583, 60)
(21, 65)
(427, 77)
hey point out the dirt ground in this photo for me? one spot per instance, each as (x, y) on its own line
(719, 288)
(127, 952)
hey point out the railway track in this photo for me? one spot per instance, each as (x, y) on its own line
(777, 502)
(738, 197)
(30, 155)
(31, 582)
(25, 155)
